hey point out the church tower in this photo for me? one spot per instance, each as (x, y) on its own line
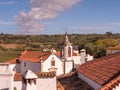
(66, 54)
(66, 48)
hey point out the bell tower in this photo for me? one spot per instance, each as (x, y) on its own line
(66, 48)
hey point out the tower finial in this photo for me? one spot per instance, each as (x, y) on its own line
(65, 32)
(66, 36)
(66, 40)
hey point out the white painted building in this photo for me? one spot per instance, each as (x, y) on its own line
(6, 77)
(52, 63)
(81, 58)
(27, 80)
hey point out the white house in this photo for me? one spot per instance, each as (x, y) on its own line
(27, 80)
(52, 63)
(111, 50)
(37, 61)
(6, 77)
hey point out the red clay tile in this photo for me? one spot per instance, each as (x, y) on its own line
(102, 70)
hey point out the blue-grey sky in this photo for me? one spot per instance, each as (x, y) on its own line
(58, 16)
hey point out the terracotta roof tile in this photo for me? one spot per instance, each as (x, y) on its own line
(58, 53)
(74, 54)
(65, 75)
(45, 74)
(17, 77)
(102, 70)
(59, 86)
(34, 56)
(71, 81)
(12, 61)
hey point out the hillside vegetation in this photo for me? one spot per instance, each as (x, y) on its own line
(8, 55)
(95, 44)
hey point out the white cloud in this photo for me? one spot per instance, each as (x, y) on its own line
(28, 24)
(41, 10)
(53, 5)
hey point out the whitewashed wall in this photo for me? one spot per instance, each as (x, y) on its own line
(46, 83)
(68, 66)
(77, 61)
(6, 77)
(6, 82)
(12, 66)
(58, 64)
(32, 86)
(18, 85)
(89, 58)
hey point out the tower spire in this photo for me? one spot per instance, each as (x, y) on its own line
(66, 41)
(66, 36)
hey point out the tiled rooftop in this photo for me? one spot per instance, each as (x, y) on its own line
(12, 61)
(34, 56)
(65, 75)
(70, 81)
(59, 86)
(102, 70)
(17, 77)
(45, 74)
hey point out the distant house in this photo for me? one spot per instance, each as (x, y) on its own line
(102, 73)
(111, 50)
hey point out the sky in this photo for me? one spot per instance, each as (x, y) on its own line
(59, 16)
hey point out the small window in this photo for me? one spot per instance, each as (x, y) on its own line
(69, 52)
(52, 62)
(24, 64)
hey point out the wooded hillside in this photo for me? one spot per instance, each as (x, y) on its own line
(95, 44)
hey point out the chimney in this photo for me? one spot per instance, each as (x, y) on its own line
(83, 55)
